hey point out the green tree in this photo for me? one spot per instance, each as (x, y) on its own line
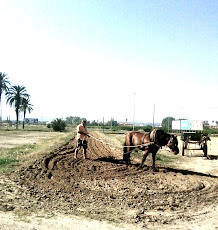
(69, 120)
(167, 123)
(58, 125)
(26, 106)
(4, 82)
(15, 96)
(76, 120)
(94, 123)
(112, 122)
(147, 128)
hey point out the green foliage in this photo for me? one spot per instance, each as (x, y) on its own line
(209, 131)
(147, 128)
(112, 122)
(59, 125)
(75, 120)
(167, 123)
(26, 106)
(15, 96)
(49, 125)
(4, 82)
(94, 123)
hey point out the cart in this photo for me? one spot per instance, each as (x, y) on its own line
(194, 138)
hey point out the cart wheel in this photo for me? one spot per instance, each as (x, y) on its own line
(205, 149)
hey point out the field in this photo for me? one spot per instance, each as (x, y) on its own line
(51, 190)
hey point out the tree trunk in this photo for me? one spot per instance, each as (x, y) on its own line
(24, 115)
(17, 116)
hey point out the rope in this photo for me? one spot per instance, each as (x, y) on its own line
(118, 146)
(104, 138)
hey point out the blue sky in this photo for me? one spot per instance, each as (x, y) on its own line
(88, 58)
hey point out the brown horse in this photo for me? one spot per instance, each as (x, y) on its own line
(149, 143)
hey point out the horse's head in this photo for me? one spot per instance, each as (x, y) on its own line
(173, 144)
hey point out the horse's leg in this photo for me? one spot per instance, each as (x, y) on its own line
(153, 161)
(128, 148)
(128, 155)
(144, 157)
(125, 152)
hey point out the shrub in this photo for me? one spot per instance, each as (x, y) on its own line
(49, 125)
(58, 125)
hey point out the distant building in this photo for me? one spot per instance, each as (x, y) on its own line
(31, 120)
(125, 124)
(122, 123)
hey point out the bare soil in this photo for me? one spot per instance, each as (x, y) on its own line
(103, 188)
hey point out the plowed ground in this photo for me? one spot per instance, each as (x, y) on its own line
(104, 188)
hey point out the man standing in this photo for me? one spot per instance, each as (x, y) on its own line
(82, 136)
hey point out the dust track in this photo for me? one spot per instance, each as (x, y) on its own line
(104, 188)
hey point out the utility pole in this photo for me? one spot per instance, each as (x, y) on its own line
(134, 114)
(111, 124)
(153, 115)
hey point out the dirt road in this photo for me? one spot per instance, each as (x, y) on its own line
(105, 189)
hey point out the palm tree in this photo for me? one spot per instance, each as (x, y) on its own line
(15, 96)
(26, 106)
(4, 82)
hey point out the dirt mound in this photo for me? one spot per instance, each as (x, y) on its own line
(103, 187)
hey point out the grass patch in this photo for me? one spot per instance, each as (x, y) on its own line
(14, 157)
(111, 214)
(164, 158)
(6, 161)
(32, 127)
(160, 157)
(14, 154)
